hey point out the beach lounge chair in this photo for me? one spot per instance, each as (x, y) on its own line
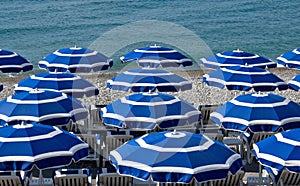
(230, 180)
(10, 179)
(111, 143)
(72, 177)
(109, 177)
(251, 138)
(207, 126)
(287, 178)
(94, 142)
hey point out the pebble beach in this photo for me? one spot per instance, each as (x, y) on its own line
(200, 94)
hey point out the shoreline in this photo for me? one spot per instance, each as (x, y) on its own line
(200, 94)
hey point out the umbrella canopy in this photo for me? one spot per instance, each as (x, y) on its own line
(258, 112)
(45, 107)
(154, 56)
(175, 157)
(279, 152)
(13, 62)
(67, 83)
(148, 79)
(236, 57)
(290, 59)
(23, 146)
(75, 60)
(244, 78)
(294, 83)
(150, 110)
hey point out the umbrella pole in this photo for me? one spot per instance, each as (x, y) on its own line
(260, 175)
(41, 180)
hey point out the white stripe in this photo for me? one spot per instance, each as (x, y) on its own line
(289, 61)
(223, 82)
(253, 105)
(223, 119)
(96, 64)
(9, 56)
(75, 55)
(164, 60)
(148, 74)
(53, 100)
(293, 82)
(183, 170)
(32, 138)
(45, 155)
(148, 119)
(54, 79)
(42, 118)
(282, 139)
(237, 57)
(16, 66)
(160, 149)
(296, 51)
(216, 63)
(245, 72)
(131, 102)
(155, 52)
(127, 84)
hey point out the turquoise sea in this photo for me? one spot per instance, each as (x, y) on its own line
(35, 28)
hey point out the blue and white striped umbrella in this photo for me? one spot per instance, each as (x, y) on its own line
(175, 157)
(290, 59)
(45, 107)
(294, 83)
(237, 57)
(150, 110)
(280, 151)
(67, 83)
(258, 112)
(13, 62)
(149, 79)
(154, 56)
(244, 78)
(24, 146)
(74, 60)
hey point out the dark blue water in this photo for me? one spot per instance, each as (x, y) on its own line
(35, 28)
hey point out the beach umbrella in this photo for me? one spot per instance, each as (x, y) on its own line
(148, 111)
(237, 57)
(148, 79)
(75, 59)
(294, 83)
(55, 81)
(258, 112)
(24, 146)
(41, 106)
(244, 78)
(279, 152)
(175, 157)
(13, 62)
(290, 59)
(154, 56)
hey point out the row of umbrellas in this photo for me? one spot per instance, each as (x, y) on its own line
(76, 59)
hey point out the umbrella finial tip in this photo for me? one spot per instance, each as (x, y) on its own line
(174, 132)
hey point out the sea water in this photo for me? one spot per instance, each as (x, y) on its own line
(35, 28)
